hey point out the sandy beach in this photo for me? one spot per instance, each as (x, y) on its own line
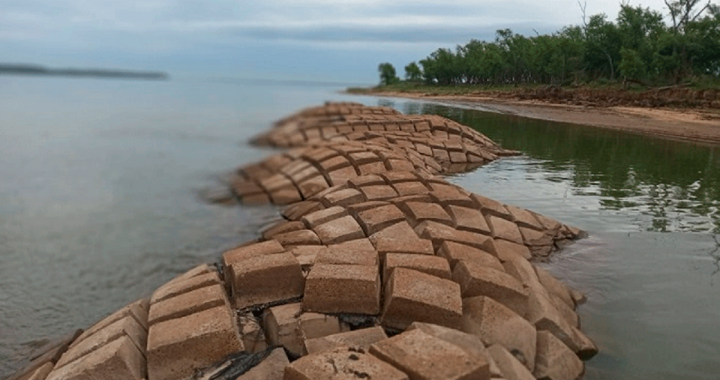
(696, 125)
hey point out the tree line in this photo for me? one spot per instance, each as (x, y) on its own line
(640, 46)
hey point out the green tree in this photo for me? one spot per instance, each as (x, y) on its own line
(387, 74)
(631, 66)
(413, 72)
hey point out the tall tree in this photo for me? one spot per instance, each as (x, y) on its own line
(413, 72)
(387, 74)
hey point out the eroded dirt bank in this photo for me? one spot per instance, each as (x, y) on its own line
(692, 124)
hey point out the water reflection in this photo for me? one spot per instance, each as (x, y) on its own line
(671, 186)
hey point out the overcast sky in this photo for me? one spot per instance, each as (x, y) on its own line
(333, 40)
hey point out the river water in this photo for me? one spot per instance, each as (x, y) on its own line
(98, 206)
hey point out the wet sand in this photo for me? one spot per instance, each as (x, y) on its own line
(683, 124)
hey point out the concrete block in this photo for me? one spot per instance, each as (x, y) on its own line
(352, 289)
(266, 279)
(477, 280)
(433, 265)
(187, 303)
(555, 361)
(339, 230)
(456, 252)
(119, 359)
(341, 363)
(361, 338)
(179, 347)
(423, 356)
(412, 296)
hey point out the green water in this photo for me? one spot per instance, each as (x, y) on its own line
(650, 266)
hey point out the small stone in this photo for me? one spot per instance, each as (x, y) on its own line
(412, 296)
(424, 356)
(341, 363)
(555, 361)
(361, 338)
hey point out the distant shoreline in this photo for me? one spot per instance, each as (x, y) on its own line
(35, 70)
(687, 124)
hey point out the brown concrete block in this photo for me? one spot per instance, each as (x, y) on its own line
(286, 196)
(258, 249)
(509, 366)
(281, 327)
(366, 180)
(179, 347)
(468, 219)
(319, 217)
(505, 248)
(432, 265)
(477, 280)
(344, 256)
(281, 228)
(456, 252)
(418, 212)
(179, 287)
(375, 219)
(271, 368)
(119, 359)
(505, 229)
(378, 193)
(300, 209)
(450, 196)
(371, 168)
(126, 326)
(300, 237)
(410, 188)
(359, 158)
(339, 230)
(361, 338)
(534, 238)
(399, 176)
(555, 287)
(265, 279)
(42, 372)
(352, 289)
(251, 333)
(336, 162)
(400, 238)
(439, 233)
(187, 303)
(138, 310)
(359, 207)
(363, 244)
(555, 361)
(312, 186)
(288, 326)
(341, 363)
(344, 198)
(494, 323)
(424, 356)
(469, 343)
(412, 296)
(341, 176)
(524, 218)
(491, 207)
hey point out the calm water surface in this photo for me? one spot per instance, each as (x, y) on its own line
(98, 206)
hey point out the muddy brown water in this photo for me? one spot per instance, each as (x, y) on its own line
(98, 206)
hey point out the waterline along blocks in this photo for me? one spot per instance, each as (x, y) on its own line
(378, 268)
